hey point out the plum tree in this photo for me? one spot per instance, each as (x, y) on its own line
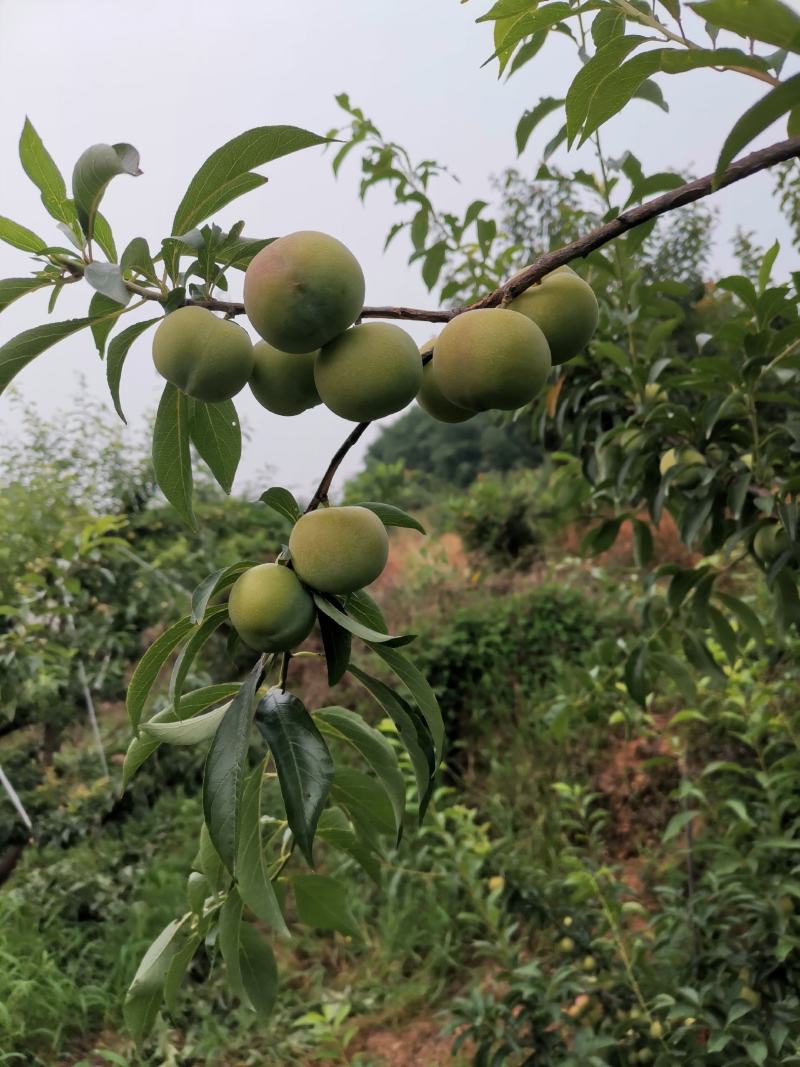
(491, 358)
(432, 400)
(339, 549)
(206, 357)
(269, 608)
(283, 382)
(565, 308)
(368, 372)
(302, 290)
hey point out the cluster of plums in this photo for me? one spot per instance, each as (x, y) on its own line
(302, 294)
(336, 550)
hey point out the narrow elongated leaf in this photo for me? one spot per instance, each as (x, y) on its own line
(531, 119)
(302, 760)
(347, 726)
(20, 236)
(210, 624)
(208, 862)
(150, 664)
(93, 171)
(335, 830)
(143, 746)
(104, 313)
(355, 627)
(763, 113)
(770, 21)
(258, 971)
(145, 993)
(337, 643)
(115, 358)
(323, 903)
(136, 257)
(26, 346)
(45, 175)
(230, 924)
(419, 688)
(177, 969)
(188, 732)
(217, 436)
(366, 802)
(255, 888)
(282, 501)
(12, 289)
(392, 516)
(101, 232)
(362, 607)
(225, 770)
(172, 461)
(216, 583)
(219, 180)
(586, 82)
(747, 617)
(413, 731)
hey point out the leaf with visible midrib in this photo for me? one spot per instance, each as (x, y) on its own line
(225, 768)
(171, 457)
(39, 166)
(115, 358)
(20, 350)
(255, 887)
(224, 175)
(303, 762)
(217, 436)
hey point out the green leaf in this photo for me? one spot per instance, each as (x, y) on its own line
(347, 726)
(282, 501)
(255, 888)
(230, 924)
(302, 760)
(189, 732)
(93, 171)
(224, 175)
(412, 730)
(104, 237)
(12, 289)
(362, 607)
(26, 346)
(106, 278)
(115, 358)
(45, 175)
(587, 81)
(634, 675)
(334, 829)
(216, 583)
(143, 746)
(769, 21)
(531, 119)
(747, 617)
(420, 690)
(433, 262)
(258, 971)
(208, 862)
(642, 543)
(651, 92)
(678, 823)
(176, 971)
(392, 516)
(104, 313)
(210, 624)
(136, 257)
(762, 114)
(172, 461)
(323, 903)
(149, 666)
(366, 802)
(225, 768)
(217, 436)
(337, 643)
(20, 236)
(145, 993)
(356, 628)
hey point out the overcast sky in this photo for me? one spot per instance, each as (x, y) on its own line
(179, 79)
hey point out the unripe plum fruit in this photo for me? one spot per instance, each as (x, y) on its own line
(205, 357)
(432, 400)
(302, 290)
(565, 308)
(689, 458)
(339, 549)
(368, 372)
(491, 358)
(270, 609)
(770, 542)
(283, 382)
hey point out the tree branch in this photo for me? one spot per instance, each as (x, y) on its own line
(321, 494)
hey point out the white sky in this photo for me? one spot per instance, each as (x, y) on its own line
(177, 80)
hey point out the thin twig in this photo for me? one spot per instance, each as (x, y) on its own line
(321, 494)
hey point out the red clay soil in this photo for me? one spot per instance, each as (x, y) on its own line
(415, 1043)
